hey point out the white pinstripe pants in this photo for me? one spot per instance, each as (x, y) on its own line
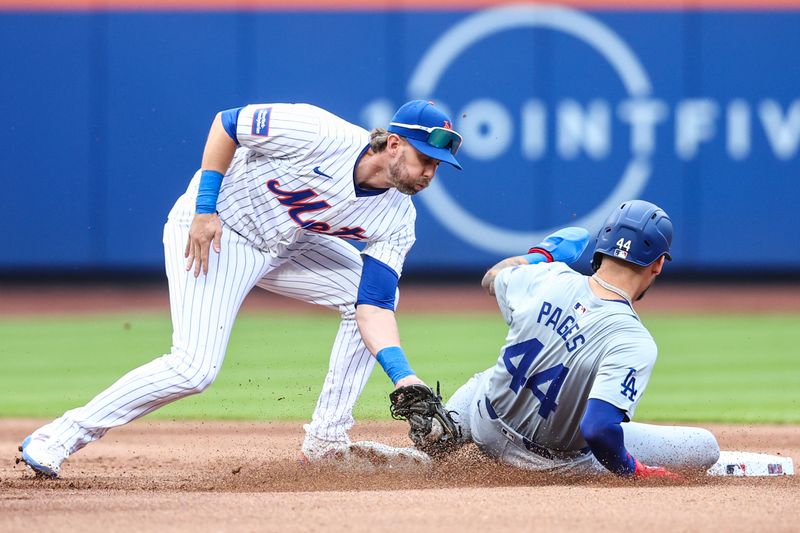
(316, 268)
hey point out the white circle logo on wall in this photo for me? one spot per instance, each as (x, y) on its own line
(448, 212)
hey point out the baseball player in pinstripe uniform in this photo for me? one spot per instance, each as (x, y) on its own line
(280, 187)
(577, 358)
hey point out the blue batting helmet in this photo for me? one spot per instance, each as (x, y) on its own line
(637, 231)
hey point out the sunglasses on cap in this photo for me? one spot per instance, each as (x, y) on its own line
(438, 137)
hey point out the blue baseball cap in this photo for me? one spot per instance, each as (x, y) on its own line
(427, 129)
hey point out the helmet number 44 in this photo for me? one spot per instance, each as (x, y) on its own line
(622, 249)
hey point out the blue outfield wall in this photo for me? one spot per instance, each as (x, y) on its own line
(564, 113)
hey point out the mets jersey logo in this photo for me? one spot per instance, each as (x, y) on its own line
(629, 385)
(300, 202)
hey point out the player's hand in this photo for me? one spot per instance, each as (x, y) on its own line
(408, 380)
(205, 230)
(644, 471)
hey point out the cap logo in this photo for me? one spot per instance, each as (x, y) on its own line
(447, 125)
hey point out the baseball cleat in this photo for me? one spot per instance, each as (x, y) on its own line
(362, 455)
(383, 455)
(39, 457)
(333, 454)
(315, 449)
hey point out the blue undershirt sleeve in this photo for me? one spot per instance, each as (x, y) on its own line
(378, 285)
(230, 117)
(601, 428)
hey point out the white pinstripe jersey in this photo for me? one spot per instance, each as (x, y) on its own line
(564, 346)
(294, 172)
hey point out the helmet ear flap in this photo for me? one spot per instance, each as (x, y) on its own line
(597, 260)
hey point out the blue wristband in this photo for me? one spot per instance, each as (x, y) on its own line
(394, 363)
(210, 183)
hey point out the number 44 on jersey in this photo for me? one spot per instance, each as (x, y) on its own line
(525, 353)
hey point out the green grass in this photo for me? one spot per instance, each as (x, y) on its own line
(739, 368)
(711, 368)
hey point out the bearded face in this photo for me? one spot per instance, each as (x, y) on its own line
(411, 171)
(399, 176)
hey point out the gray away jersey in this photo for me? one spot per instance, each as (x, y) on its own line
(564, 346)
(294, 172)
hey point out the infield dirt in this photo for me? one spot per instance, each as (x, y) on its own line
(224, 476)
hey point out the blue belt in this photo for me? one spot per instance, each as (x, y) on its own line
(531, 446)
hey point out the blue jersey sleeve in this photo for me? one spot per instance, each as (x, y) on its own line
(601, 428)
(230, 117)
(378, 285)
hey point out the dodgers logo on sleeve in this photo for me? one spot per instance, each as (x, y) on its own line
(629, 385)
(261, 122)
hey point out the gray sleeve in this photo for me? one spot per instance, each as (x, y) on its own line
(501, 294)
(515, 284)
(624, 373)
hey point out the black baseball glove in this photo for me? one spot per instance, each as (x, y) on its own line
(433, 429)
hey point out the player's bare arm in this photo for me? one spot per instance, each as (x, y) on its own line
(488, 279)
(565, 245)
(378, 328)
(206, 227)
